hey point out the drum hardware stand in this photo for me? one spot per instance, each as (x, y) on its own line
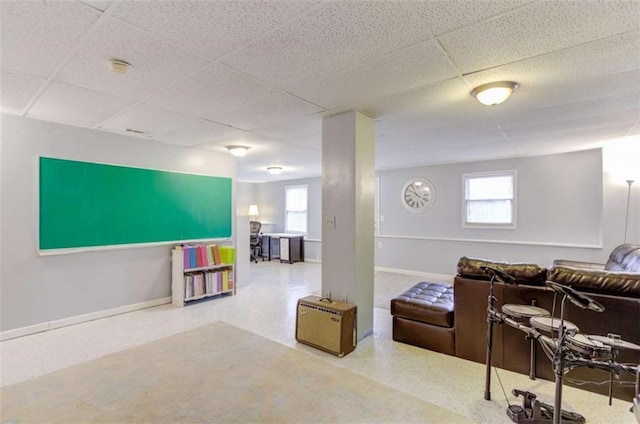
(636, 400)
(562, 360)
(532, 356)
(491, 319)
(532, 353)
(614, 353)
(558, 365)
(535, 412)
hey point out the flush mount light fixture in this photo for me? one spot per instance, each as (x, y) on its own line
(119, 66)
(238, 151)
(494, 93)
(274, 170)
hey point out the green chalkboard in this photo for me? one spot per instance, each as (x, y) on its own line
(86, 204)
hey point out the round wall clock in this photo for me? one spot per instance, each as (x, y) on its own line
(418, 195)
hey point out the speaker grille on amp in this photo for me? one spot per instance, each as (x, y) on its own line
(326, 325)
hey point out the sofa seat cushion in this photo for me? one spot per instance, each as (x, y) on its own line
(430, 303)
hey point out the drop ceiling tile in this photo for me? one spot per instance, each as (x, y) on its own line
(538, 29)
(35, 37)
(97, 4)
(211, 28)
(258, 144)
(306, 131)
(297, 162)
(601, 69)
(427, 124)
(565, 113)
(155, 63)
(335, 37)
(167, 126)
(213, 90)
(445, 16)
(598, 58)
(76, 106)
(406, 157)
(560, 126)
(579, 139)
(444, 100)
(275, 109)
(400, 71)
(17, 89)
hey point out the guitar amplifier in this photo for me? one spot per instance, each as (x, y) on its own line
(326, 325)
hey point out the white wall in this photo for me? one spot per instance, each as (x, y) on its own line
(567, 208)
(39, 289)
(270, 198)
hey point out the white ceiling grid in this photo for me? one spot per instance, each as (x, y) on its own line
(265, 73)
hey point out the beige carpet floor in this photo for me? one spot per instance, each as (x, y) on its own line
(214, 373)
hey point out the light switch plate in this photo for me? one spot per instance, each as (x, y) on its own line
(330, 222)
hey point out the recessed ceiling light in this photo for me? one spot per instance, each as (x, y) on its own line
(494, 93)
(119, 66)
(274, 170)
(238, 151)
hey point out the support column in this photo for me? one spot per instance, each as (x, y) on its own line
(348, 158)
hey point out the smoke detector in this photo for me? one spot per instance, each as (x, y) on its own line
(119, 66)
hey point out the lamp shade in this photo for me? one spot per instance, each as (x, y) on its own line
(253, 210)
(494, 93)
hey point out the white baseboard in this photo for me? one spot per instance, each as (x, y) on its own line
(445, 278)
(50, 325)
(315, 261)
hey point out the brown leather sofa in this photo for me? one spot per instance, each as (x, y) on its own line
(616, 285)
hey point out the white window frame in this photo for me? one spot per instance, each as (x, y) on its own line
(286, 211)
(514, 200)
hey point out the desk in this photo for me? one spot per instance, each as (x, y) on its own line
(286, 247)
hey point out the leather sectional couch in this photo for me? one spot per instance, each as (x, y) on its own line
(453, 319)
(616, 285)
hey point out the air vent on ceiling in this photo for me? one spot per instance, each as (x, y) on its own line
(138, 132)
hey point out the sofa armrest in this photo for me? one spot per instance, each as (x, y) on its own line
(613, 283)
(578, 264)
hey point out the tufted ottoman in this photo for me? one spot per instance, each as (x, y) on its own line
(423, 316)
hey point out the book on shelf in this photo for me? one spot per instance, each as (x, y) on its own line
(202, 256)
(227, 254)
(192, 258)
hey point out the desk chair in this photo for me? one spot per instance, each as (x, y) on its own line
(254, 239)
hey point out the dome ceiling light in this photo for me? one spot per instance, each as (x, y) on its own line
(119, 66)
(238, 151)
(494, 93)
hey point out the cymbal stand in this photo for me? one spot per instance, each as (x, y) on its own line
(491, 319)
(614, 353)
(558, 366)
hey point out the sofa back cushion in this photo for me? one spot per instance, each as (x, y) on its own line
(624, 258)
(597, 281)
(525, 273)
